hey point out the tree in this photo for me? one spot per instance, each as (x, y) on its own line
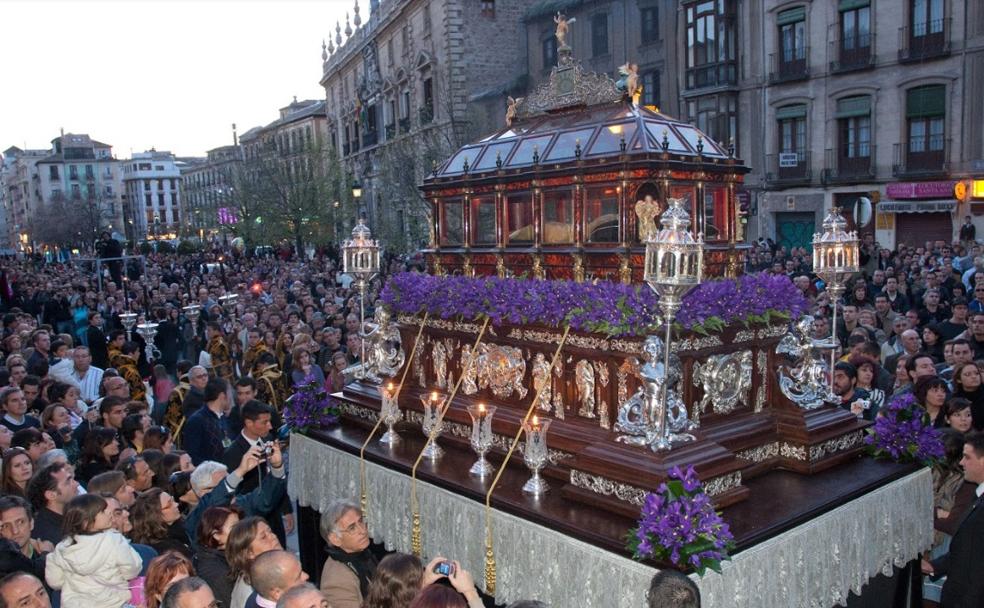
(71, 222)
(287, 195)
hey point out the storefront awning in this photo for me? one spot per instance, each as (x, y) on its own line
(932, 206)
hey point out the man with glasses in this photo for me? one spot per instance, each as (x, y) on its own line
(977, 304)
(195, 397)
(139, 475)
(352, 556)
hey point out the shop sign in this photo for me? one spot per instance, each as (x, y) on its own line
(920, 189)
(977, 188)
(917, 206)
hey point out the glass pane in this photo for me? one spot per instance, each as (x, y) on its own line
(519, 218)
(715, 212)
(919, 13)
(601, 215)
(657, 129)
(935, 16)
(558, 217)
(566, 143)
(488, 158)
(864, 25)
(687, 194)
(524, 153)
(452, 229)
(483, 221)
(457, 164)
(610, 138)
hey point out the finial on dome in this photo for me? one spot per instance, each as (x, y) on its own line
(338, 34)
(357, 20)
(348, 28)
(324, 50)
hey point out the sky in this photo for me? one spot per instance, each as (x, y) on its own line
(169, 75)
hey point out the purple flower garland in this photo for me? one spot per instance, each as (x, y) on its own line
(903, 432)
(310, 405)
(609, 308)
(678, 524)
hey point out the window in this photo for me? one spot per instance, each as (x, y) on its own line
(855, 34)
(558, 217)
(389, 51)
(405, 106)
(549, 52)
(792, 130)
(601, 215)
(427, 111)
(405, 39)
(488, 8)
(649, 24)
(73, 172)
(927, 17)
(147, 185)
(452, 228)
(89, 174)
(925, 111)
(650, 88)
(710, 43)
(483, 220)
(854, 127)
(716, 115)
(53, 173)
(599, 35)
(519, 218)
(792, 35)
(76, 191)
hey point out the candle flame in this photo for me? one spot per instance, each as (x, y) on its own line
(433, 395)
(536, 421)
(481, 408)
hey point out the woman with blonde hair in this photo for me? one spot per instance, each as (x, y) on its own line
(165, 570)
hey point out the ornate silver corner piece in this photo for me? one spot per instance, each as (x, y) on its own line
(726, 381)
(805, 384)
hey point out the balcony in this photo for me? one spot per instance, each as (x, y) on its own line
(930, 40)
(843, 165)
(788, 168)
(712, 75)
(789, 65)
(852, 53)
(922, 157)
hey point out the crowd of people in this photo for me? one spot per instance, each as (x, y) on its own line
(911, 323)
(155, 476)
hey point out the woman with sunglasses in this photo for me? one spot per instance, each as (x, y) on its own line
(17, 471)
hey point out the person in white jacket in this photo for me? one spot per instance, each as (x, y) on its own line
(93, 563)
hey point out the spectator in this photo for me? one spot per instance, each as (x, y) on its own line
(205, 434)
(958, 415)
(158, 438)
(304, 595)
(34, 441)
(248, 539)
(165, 570)
(213, 533)
(304, 367)
(157, 522)
(272, 574)
(930, 394)
(17, 471)
(99, 453)
(49, 492)
(17, 526)
(191, 592)
(398, 579)
(139, 473)
(672, 589)
(113, 483)
(23, 589)
(463, 593)
(352, 558)
(93, 564)
(968, 383)
(14, 405)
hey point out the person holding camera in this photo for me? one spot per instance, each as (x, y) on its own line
(256, 419)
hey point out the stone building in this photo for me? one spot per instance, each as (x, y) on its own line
(870, 105)
(205, 185)
(20, 194)
(153, 196)
(407, 87)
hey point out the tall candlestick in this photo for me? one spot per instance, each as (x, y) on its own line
(481, 437)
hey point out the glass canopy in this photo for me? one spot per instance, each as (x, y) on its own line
(601, 130)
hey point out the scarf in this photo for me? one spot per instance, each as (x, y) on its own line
(363, 564)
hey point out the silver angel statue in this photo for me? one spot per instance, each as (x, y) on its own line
(640, 418)
(806, 383)
(385, 356)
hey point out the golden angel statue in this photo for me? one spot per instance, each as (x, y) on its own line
(563, 24)
(511, 105)
(646, 210)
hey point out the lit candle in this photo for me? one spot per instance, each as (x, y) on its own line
(535, 425)
(481, 410)
(434, 396)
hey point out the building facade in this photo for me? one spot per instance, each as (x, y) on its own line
(868, 105)
(405, 89)
(153, 196)
(205, 186)
(20, 195)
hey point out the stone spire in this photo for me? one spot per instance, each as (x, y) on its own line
(331, 46)
(348, 28)
(324, 50)
(357, 20)
(373, 7)
(338, 34)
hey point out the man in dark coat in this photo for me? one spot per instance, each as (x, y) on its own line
(205, 435)
(964, 586)
(96, 340)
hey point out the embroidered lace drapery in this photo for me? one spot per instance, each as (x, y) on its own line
(816, 564)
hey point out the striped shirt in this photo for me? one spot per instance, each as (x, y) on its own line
(89, 384)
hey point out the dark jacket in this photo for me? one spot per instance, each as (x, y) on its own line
(964, 587)
(48, 526)
(176, 540)
(213, 568)
(193, 401)
(204, 436)
(231, 458)
(97, 346)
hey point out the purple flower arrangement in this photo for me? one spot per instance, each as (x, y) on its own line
(678, 525)
(903, 432)
(608, 308)
(310, 406)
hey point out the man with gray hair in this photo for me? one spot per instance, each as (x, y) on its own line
(191, 592)
(352, 556)
(194, 399)
(672, 589)
(272, 574)
(304, 595)
(215, 486)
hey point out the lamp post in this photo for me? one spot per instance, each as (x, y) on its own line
(357, 197)
(360, 258)
(674, 265)
(836, 256)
